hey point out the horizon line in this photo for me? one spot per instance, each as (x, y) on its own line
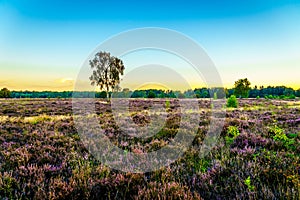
(258, 87)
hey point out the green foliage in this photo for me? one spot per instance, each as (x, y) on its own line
(229, 140)
(270, 92)
(297, 93)
(232, 102)
(202, 92)
(167, 104)
(199, 164)
(203, 165)
(292, 135)
(5, 93)
(139, 94)
(279, 135)
(291, 96)
(276, 92)
(288, 92)
(247, 182)
(101, 94)
(151, 94)
(46, 94)
(242, 88)
(232, 133)
(215, 96)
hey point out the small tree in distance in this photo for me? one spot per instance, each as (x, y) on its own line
(232, 102)
(242, 88)
(106, 71)
(5, 93)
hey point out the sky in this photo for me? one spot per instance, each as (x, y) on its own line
(43, 44)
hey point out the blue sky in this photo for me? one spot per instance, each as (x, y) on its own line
(44, 43)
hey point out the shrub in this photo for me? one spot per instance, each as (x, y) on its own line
(280, 136)
(248, 184)
(232, 102)
(292, 96)
(167, 104)
(232, 133)
(215, 96)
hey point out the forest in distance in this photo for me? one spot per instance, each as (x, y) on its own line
(270, 92)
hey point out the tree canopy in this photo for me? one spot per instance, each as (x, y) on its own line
(106, 71)
(242, 88)
(5, 93)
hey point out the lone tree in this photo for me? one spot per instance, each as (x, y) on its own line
(242, 88)
(106, 71)
(5, 93)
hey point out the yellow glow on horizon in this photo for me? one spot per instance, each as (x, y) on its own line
(39, 83)
(152, 86)
(62, 86)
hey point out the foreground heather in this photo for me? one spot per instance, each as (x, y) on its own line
(256, 157)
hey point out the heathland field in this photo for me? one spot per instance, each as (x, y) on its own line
(257, 155)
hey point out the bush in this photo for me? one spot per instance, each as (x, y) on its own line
(232, 133)
(232, 102)
(247, 182)
(167, 104)
(292, 96)
(279, 135)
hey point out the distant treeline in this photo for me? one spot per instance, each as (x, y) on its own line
(261, 92)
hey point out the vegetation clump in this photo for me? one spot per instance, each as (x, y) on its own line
(5, 93)
(232, 133)
(232, 102)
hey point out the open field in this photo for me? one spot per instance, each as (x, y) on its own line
(256, 157)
